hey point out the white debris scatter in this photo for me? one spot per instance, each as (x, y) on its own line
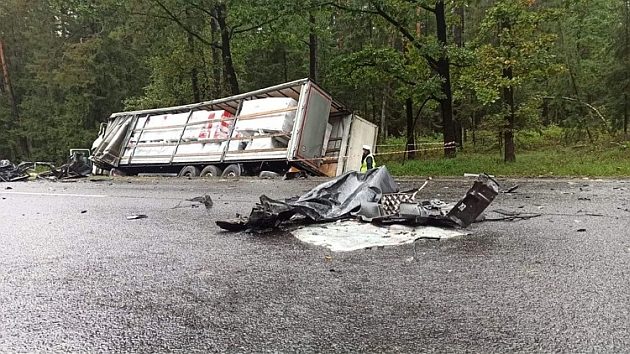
(345, 236)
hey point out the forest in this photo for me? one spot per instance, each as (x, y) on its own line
(484, 74)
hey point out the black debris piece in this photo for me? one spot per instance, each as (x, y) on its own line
(477, 199)
(76, 167)
(581, 230)
(137, 216)
(511, 189)
(12, 173)
(330, 201)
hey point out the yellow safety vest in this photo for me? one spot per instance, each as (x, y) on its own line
(364, 166)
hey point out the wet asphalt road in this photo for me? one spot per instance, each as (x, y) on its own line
(76, 276)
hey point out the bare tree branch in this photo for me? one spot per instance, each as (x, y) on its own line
(406, 33)
(417, 3)
(348, 9)
(202, 9)
(179, 22)
(426, 100)
(235, 29)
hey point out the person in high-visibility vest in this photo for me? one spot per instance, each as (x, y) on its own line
(367, 161)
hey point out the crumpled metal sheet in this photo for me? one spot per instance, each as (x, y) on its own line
(75, 168)
(107, 155)
(12, 173)
(333, 200)
(359, 195)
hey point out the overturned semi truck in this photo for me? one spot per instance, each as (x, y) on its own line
(296, 124)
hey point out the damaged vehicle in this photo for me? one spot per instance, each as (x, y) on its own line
(296, 124)
(12, 173)
(77, 166)
(372, 197)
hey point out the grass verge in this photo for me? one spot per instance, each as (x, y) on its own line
(560, 162)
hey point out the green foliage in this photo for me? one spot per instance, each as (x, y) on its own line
(73, 63)
(551, 162)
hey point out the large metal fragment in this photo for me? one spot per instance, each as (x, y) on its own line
(477, 199)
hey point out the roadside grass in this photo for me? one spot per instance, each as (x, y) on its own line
(547, 162)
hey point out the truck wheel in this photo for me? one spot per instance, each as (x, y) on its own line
(232, 171)
(189, 171)
(210, 171)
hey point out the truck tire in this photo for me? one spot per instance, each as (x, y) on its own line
(210, 171)
(233, 170)
(189, 171)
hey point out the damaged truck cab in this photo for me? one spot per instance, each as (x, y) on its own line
(296, 124)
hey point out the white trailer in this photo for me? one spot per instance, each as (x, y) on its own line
(296, 124)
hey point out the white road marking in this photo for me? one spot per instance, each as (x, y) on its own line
(58, 194)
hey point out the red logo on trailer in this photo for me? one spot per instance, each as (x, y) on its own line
(214, 129)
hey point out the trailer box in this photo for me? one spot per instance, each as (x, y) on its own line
(296, 124)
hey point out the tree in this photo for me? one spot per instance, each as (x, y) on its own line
(514, 51)
(434, 53)
(619, 75)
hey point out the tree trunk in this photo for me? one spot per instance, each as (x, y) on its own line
(458, 29)
(509, 154)
(24, 148)
(383, 132)
(411, 136)
(216, 58)
(627, 51)
(226, 50)
(312, 47)
(474, 128)
(458, 37)
(285, 65)
(444, 71)
(7, 83)
(194, 79)
(510, 118)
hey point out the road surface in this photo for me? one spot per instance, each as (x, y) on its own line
(76, 275)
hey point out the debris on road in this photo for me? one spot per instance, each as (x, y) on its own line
(506, 215)
(76, 167)
(372, 196)
(137, 216)
(12, 173)
(511, 189)
(204, 199)
(269, 175)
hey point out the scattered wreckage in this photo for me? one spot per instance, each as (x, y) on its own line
(371, 197)
(12, 173)
(77, 166)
